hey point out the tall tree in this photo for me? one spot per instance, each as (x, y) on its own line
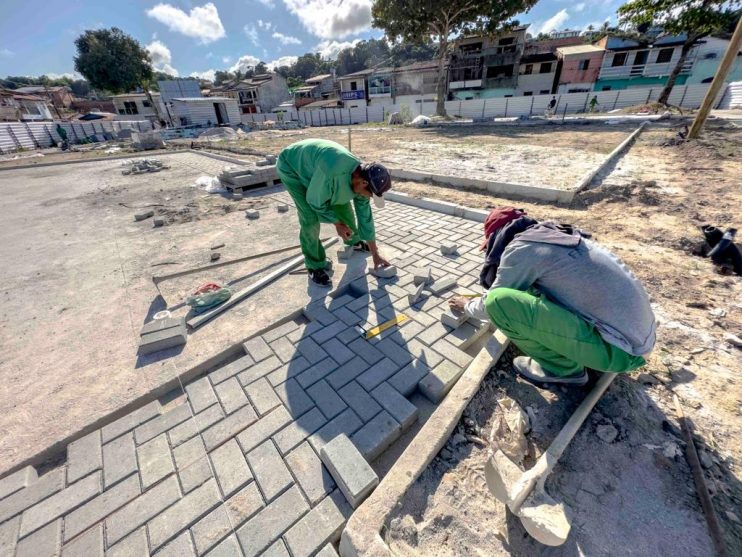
(695, 19)
(418, 21)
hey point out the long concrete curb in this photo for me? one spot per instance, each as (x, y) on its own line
(587, 179)
(362, 534)
(444, 207)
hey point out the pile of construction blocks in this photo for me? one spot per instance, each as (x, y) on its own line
(263, 173)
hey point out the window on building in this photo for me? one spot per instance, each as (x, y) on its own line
(507, 96)
(506, 40)
(353, 86)
(619, 59)
(146, 104)
(500, 71)
(130, 107)
(545, 67)
(606, 88)
(582, 65)
(665, 55)
(122, 111)
(527, 93)
(544, 92)
(528, 69)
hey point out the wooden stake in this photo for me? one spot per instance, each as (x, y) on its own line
(349, 143)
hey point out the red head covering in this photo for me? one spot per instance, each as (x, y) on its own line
(499, 217)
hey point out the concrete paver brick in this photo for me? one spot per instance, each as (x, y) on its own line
(130, 421)
(284, 349)
(424, 353)
(258, 349)
(60, 503)
(39, 490)
(119, 459)
(133, 545)
(287, 371)
(281, 330)
(9, 535)
(23, 477)
(46, 541)
(384, 272)
(229, 427)
(318, 371)
(269, 469)
(149, 343)
(345, 423)
(336, 303)
(326, 333)
(264, 428)
(304, 331)
(90, 544)
(405, 334)
(99, 508)
(319, 526)
(258, 370)
(374, 437)
(347, 335)
(176, 518)
(188, 453)
(278, 549)
(327, 551)
(231, 369)
(83, 456)
(182, 546)
(262, 396)
(318, 312)
(453, 320)
(195, 475)
(155, 461)
(228, 548)
(422, 275)
(378, 373)
(468, 333)
(162, 423)
(397, 405)
(231, 395)
(353, 474)
(348, 317)
(294, 398)
(360, 401)
(313, 478)
(394, 351)
(312, 351)
(441, 285)
(230, 467)
(326, 399)
(298, 430)
(200, 422)
(431, 334)
(200, 394)
(337, 351)
(261, 531)
(366, 350)
(414, 297)
(436, 384)
(452, 353)
(347, 372)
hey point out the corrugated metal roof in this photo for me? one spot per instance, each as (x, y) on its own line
(208, 99)
(319, 78)
(579, 49)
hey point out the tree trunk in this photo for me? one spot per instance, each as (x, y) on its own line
(665, 95)
(440, 88)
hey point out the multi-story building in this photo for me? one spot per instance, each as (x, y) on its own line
(536, 72)
(19, 106)
(486, 67)
(709, 53)
(354, 88)
(578, 68)
(137, 106)
(317, 88)
(259, 93)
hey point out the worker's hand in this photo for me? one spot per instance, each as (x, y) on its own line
(379, 261)
(343, 231)
(458, 304)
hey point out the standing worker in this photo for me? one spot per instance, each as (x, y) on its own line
(323, 177)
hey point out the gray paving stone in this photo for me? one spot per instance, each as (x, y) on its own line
(326, 399)
(313, 478)
(231, 395)
(318, 371)
(46, 541)
(326, 333)
(438, 382)
(405, 380)
(377, 374)
(287, 371)
(347, 422)
(374, 437)
(261, 531)
(258, 370)
(195, 475)
(162, 423)
(176, 518)
(452, 353)
(284, 349)
(133, 545)
(90, 544)
(338, 351)
(317, 312)
(269, 469)
(347, 372)
(264, 428)
(155, 461)
(160, 340)
(397, 405)
(305, 330)
(258, 349)
(298, 430)
(200, 394)
(200, 422)
(366, 350)
(229, 427)
(119, 459)
(39, 490)
(188, 453)
(424, 353)
(278, 549)
(83, 456)
(60, 503)
(432, 334)
(319, 526)
(348, 317)
(442, 285)
(334, 304)
(279, 331)
(230, 467)
(231, 369)
(23, 477)
(228, 548)
(347, 335)
(392, 350)
(182, 546)
(99, 508)
(353, 474)
(360, 401)
(294, 398)
(312, 351)
(327, 551)
(130, 421)
(262, 396)
(9, 535)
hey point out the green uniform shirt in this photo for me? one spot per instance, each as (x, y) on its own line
(325, 169)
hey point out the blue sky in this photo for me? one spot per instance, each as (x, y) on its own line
(198, 37)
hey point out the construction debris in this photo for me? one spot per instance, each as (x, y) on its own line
(384, 272)
(143, 216)
(160, 334)
(252, 214)
(215, 255)
(509, 430)
(145, 141)
(142, 166)
(157, 223)
(414, 298)
(283, 208)
(422, 276)
(263, 173)
(217, 245)
(449, 249)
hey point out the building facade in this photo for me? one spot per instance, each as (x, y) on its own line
(578, 68)
(536, 73)
(709, 53)
(16, 106)
(258, 94)
(137, 106)
(205, 111)
(59, 96)
(354, 89)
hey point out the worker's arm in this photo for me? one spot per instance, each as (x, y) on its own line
(365, 217)
(319, 197)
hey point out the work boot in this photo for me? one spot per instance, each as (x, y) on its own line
(361, 246)
(531, 370)
(319, 276)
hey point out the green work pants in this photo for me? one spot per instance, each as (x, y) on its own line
(309, 223)
(561, 341)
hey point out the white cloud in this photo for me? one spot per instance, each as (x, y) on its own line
(251, 33)
(69, 75)
(285, 39)
(554, 22)
(208, 75)
(161, 58)
(6, 53)
(265, 24)
(226, 59)
(332, 19)
(244, 62)
(267, 3)
(329, 50)
(579, 7)
(201, 23)
(282, 61)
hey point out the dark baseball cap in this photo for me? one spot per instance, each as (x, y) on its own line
(379, 181)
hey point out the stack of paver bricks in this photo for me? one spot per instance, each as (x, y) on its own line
(231, 465)
(242, 177)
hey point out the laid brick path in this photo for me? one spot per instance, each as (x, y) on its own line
(230, 464)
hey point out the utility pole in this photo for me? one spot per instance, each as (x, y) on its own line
(721, 74)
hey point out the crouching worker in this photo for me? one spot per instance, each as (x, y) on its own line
(566, 303)
(322, 178)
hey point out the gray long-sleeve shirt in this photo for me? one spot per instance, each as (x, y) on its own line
(583, 278)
